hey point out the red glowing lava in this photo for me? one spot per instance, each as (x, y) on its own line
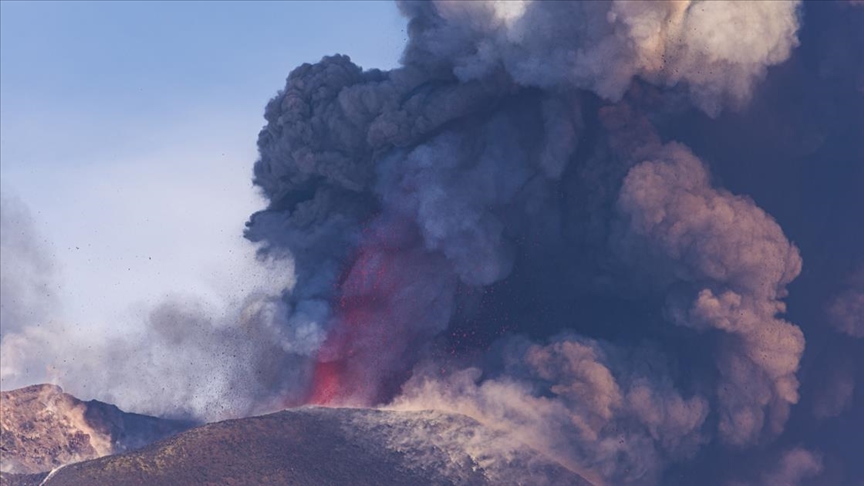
(347, 362)
(394, 296)
(326, 383)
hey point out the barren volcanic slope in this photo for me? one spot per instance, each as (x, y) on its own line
(41, 427)
(314, 446)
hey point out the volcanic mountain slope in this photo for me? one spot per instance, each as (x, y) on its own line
(315, 446)
(41, 428)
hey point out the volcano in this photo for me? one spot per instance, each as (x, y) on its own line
(42, 428)
(303, 446)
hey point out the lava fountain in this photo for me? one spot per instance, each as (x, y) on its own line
(390, 300)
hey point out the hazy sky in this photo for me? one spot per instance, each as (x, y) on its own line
(129, 130)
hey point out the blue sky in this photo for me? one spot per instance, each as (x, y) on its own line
(129, 130)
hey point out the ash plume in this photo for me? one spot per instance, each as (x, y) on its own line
(518, 161)
(550, 219)
(719, 50)
(739, 263)
(610, 413)
(414, 196)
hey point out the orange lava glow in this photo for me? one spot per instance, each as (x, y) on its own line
(326, 383)
(361, 332)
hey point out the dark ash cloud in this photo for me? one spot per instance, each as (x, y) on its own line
(604, 228)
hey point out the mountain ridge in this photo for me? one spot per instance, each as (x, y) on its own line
(42, 428)
(298, 446)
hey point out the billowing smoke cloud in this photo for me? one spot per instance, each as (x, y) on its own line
(609, 413)
(509, 226)
(404, 195)
(739, 263)
(717, 49)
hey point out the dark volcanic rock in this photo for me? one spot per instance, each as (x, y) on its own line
(10, 479)
(42, 428)
(316, 446)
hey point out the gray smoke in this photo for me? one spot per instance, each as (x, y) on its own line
(718, 50)
(610, 413)
(401, 194)
(183, 359)
(738, 263)
(28, 275)
(504, 227)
